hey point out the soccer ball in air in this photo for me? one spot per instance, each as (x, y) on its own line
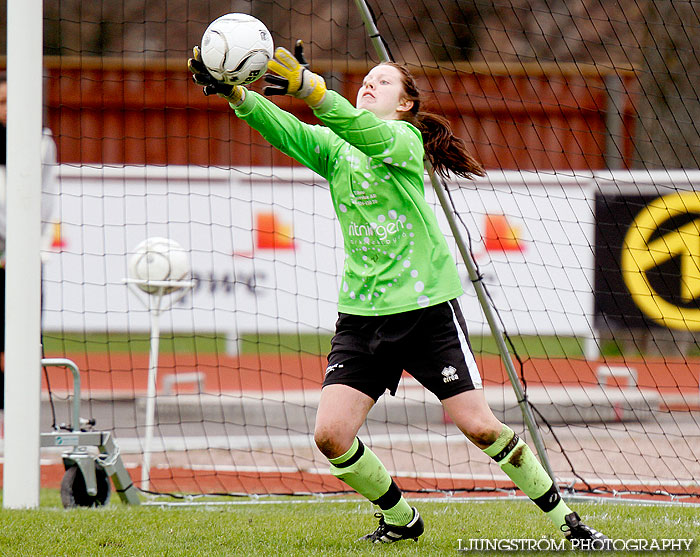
(158, 259)
(236, 48)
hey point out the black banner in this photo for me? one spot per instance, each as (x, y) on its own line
(647, 252)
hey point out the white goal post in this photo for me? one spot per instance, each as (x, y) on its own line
(23, 248)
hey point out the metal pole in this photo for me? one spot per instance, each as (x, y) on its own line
(64, 362)
(484, 300)
(23, 285)
(152, 382)
(372, 30)
(156, 303)
(614, 125)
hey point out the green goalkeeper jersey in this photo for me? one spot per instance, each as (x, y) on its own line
(397, 258)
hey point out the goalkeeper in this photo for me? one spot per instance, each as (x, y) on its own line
(398, 300)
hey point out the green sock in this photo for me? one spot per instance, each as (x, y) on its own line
(363, 471)
(517, 460)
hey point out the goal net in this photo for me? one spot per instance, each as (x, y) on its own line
(585, 233)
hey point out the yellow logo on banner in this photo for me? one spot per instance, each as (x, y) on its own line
(640, 255)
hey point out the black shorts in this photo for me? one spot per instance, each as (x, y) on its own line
(370, 353)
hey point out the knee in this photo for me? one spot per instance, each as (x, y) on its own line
(324, 442)
(482, 432)
(479, 424)
(483, 435)
(331, 442)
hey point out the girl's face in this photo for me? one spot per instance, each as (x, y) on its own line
(382, 93)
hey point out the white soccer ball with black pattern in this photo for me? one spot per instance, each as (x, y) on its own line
(159, 259)
(236, 48)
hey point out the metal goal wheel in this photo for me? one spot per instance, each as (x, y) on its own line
(74, 491)
(88, 477)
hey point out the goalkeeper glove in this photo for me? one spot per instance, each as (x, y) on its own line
(294, 78)
(235, 94)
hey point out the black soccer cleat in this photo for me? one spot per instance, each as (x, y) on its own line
(388, 533)
(586, 537)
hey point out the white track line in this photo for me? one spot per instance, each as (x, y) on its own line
(130, 445)
(134, 445)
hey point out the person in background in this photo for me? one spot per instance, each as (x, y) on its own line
(49, 189)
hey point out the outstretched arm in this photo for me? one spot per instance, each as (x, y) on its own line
(373, 136)
(307, 144)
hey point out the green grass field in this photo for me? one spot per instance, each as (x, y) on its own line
(308, 526)
(527, 346)
(314, 344)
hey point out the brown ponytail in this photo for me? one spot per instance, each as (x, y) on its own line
(445, 151)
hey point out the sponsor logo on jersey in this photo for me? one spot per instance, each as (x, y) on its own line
(383, 231)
